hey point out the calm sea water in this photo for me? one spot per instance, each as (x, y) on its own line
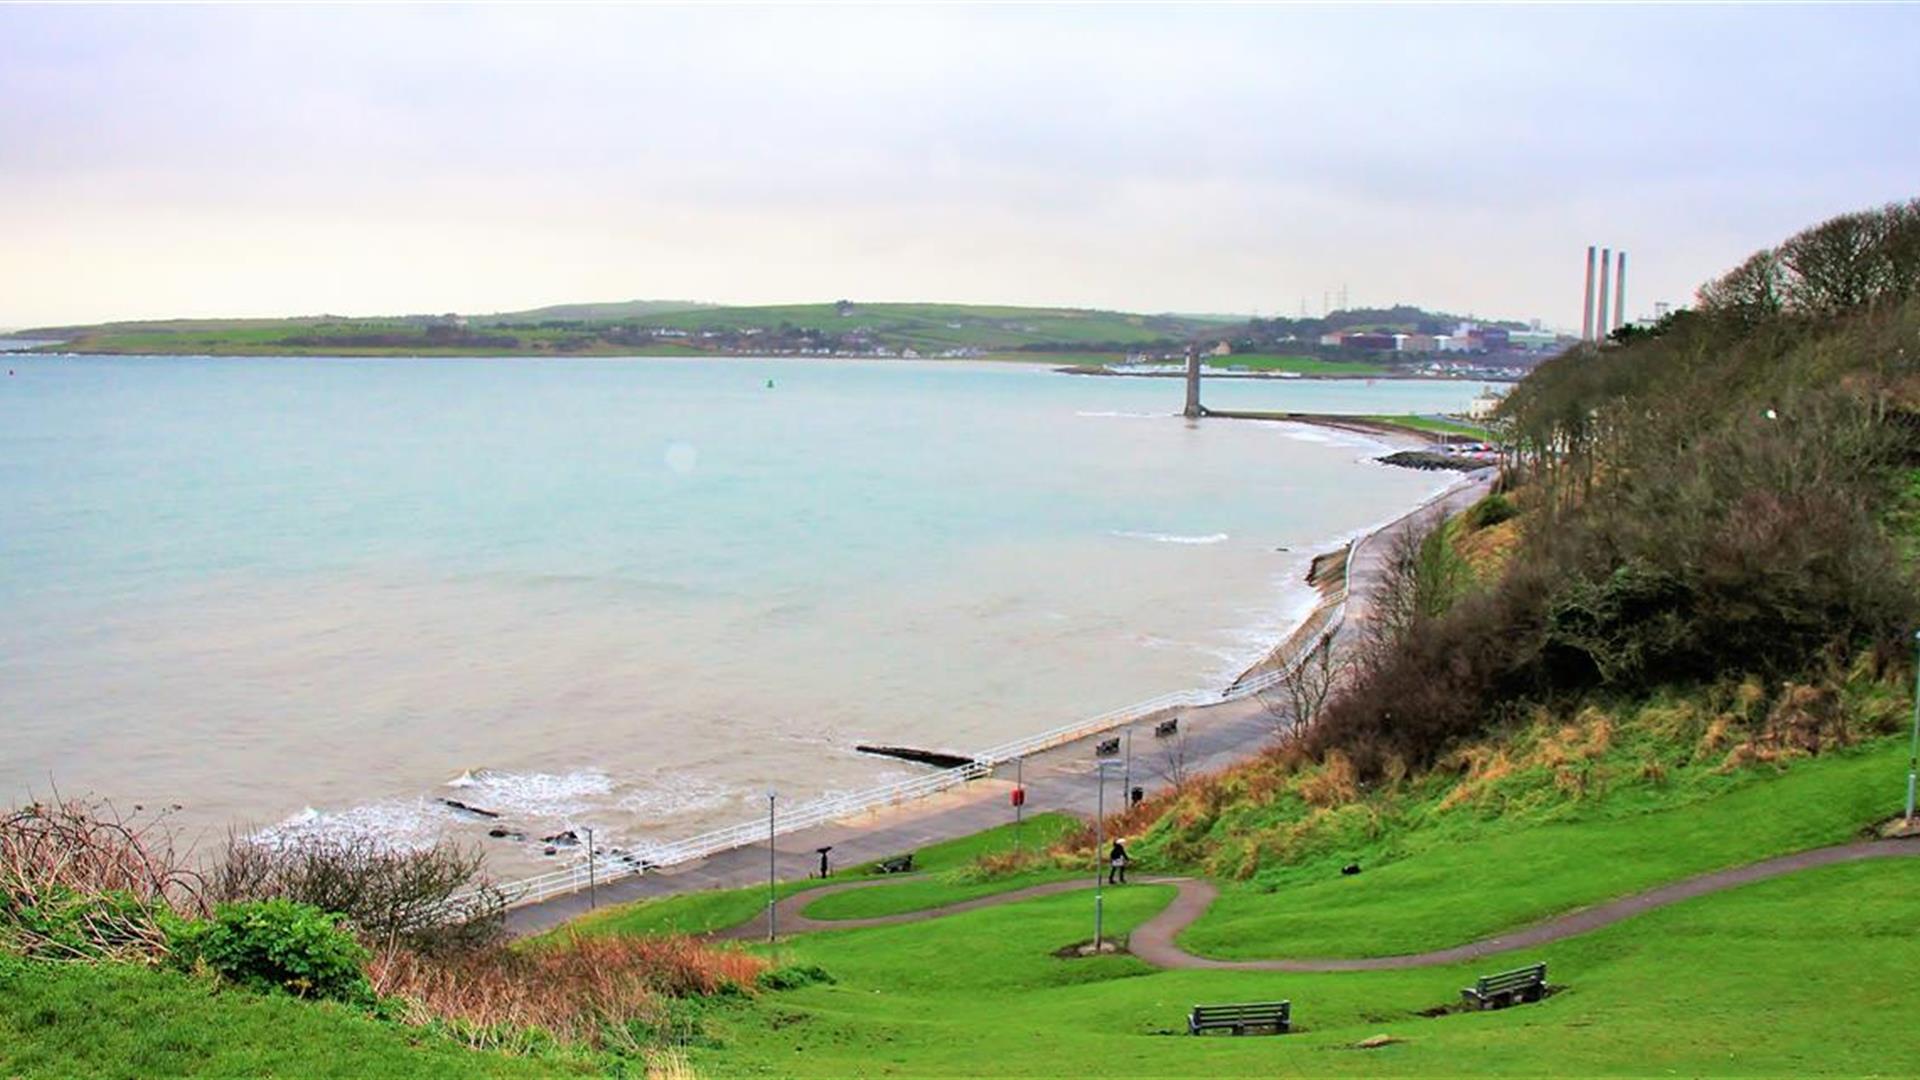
(309, 594)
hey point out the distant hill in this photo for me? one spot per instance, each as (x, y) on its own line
(607, 312)
(680, 327)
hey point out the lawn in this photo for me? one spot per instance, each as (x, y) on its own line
(121, 1020)
(1463, 877)
(1300, 365)
(1434, 426)
(1796, 976)
(936, 881)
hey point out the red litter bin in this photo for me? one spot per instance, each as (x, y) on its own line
(1019, 796)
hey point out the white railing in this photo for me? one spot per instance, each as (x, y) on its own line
(606, 868)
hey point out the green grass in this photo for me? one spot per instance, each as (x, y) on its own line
(947, 879)
(121, 1020)
(1796, 976)
(717, 909)
(927, 328)
(1301, 365)
(1434, 426)
(1464, 878)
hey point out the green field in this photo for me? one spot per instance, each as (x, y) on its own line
(1796, 976)
(1433, 426)
(1302, 365)
(126, 1021)
(1458, 880)
(940, 878)
(634, 328)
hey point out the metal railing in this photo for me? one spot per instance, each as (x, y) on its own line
(604, 868)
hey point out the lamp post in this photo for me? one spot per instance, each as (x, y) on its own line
(1099, 844)
(592, 896)
(1019, 800)
(771, 897)
(1913, 754)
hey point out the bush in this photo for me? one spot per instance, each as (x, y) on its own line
(277, 945)
(1491, 511)
(433, 900)
(795, 976)
(58, 923)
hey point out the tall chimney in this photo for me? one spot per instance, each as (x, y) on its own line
(1193, 383)
(1600, 310)
(1620, 294)
(1586, 306)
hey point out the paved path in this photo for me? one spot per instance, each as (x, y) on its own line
(1213, 737)
(1153, 940)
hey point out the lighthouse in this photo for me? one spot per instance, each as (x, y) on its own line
(1193, 410)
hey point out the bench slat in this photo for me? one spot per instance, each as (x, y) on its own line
(1237, 1018)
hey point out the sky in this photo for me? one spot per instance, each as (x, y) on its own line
(281, 160)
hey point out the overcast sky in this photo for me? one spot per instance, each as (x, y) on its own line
(285, 160)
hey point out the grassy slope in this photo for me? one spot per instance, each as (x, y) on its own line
(1435, 427)
(947, 882)
(126, 1021)
(1442, 891)
(933, 884)
(1790, 977)
(1304, 365)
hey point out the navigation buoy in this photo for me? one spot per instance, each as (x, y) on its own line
(769, 384)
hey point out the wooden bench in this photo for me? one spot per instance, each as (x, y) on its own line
(1107, 747)
(1169, 726)
(1508, 988)
(1271, 1017)
(899, 864)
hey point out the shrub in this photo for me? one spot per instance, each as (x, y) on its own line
(1491, 511)
(277, 945)
(435, 899)
(794, 976)
(80, 882)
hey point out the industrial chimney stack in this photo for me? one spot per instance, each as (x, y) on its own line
(1600, 327)
(1596, 321)
(1620, 294)
(1586, 305)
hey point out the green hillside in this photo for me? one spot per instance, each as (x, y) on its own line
(658, 327)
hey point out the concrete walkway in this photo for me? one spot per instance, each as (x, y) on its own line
(1062, 779)
(1153, 941)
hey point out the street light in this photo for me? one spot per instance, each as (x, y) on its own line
(1099, 844)
(1913, 754)
(592, 897)
(771, 897)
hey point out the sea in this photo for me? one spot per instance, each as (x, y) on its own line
(312, 597)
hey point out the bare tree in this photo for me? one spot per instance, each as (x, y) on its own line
(1174, 763)
(1305, 687)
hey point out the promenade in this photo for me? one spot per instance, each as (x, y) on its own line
(1061, 779)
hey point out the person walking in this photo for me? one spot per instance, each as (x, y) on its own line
(1117, 864)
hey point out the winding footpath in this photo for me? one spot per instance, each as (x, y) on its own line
(1153, 940)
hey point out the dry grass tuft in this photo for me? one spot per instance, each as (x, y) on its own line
(1335, 783)
(593, 991)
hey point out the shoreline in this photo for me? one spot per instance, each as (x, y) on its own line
(1211, 736)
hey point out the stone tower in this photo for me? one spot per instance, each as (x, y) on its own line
(1193, 410)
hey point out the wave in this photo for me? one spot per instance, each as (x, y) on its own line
(533, 795)
(1174, 538)
(675, 795)
(395, 824)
